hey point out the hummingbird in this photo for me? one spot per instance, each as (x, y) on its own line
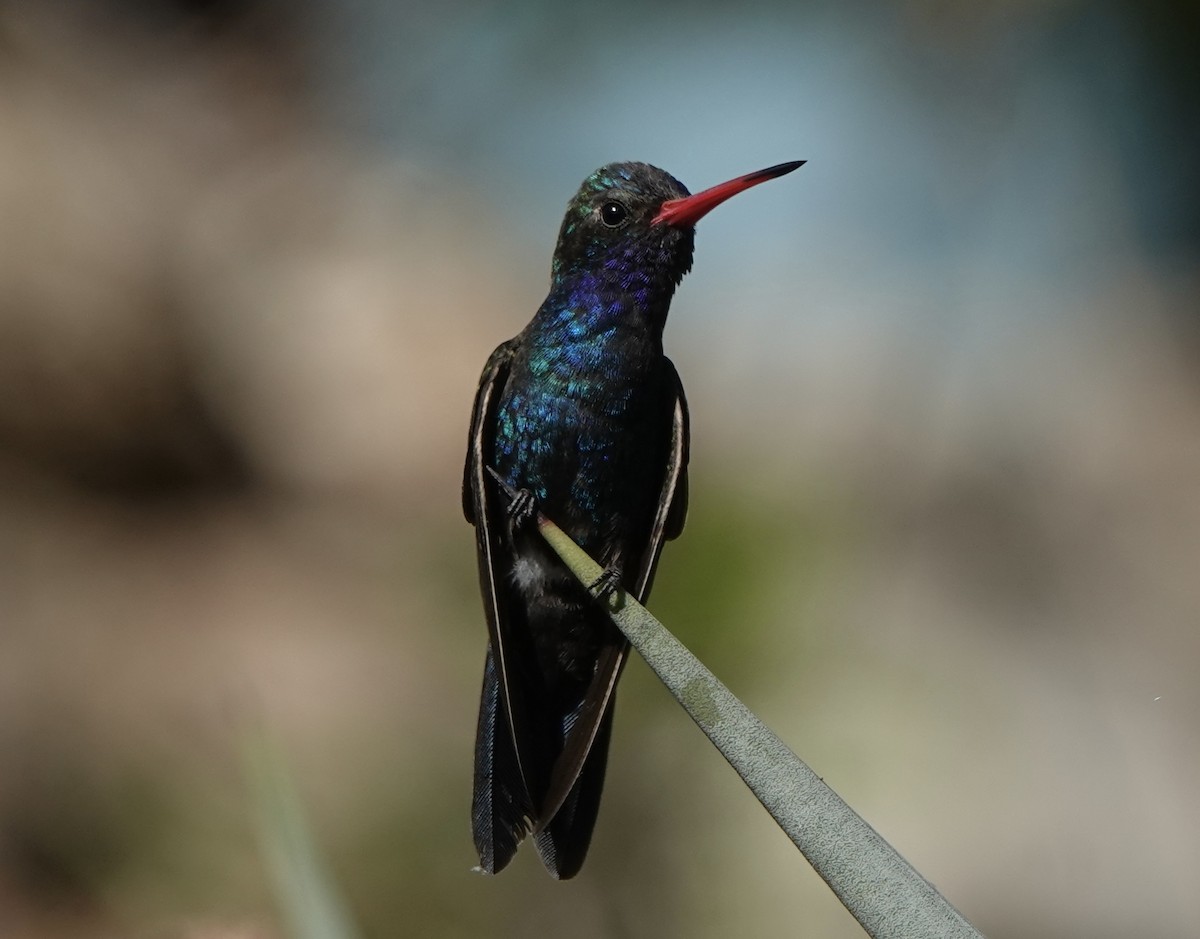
(584, 418)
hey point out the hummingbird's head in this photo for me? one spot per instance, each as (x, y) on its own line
(611, 225)
(635, 224)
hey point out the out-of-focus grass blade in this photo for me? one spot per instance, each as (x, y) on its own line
(308, 898)
(887, 896)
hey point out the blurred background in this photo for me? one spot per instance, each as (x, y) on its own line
(946, 450)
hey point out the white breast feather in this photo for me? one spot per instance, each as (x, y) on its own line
(528, 573)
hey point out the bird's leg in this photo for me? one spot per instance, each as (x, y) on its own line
(521, 510)
(608, 583)
(522, 505)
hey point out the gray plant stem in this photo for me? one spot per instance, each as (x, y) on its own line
(887, 896)
(308, 897)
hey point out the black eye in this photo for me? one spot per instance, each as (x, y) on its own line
(613, 214)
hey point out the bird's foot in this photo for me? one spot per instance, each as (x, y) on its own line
(607, 584)
(521, 510)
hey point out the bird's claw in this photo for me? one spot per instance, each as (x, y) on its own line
(521, 509)
(607, 584)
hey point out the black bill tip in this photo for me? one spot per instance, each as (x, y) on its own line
(773, 172)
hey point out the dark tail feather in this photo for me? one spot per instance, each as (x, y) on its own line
(500, 806)
(563, 843)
